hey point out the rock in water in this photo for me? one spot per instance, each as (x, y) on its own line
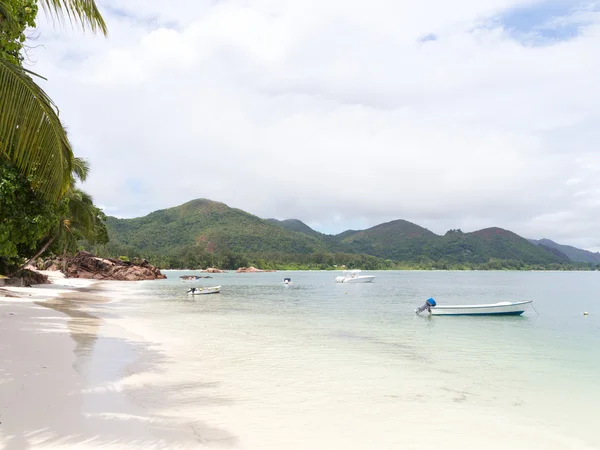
(251, 269)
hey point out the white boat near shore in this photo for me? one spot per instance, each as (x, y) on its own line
(353, 276)
(492, 309)
(205, 290)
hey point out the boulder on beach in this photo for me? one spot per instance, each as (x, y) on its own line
(25, 277)
(86, 265)
(213, 270)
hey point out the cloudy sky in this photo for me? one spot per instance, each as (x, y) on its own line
(341, 113)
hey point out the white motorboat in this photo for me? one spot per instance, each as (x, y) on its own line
(491, 309)
(205, 290)
(353, 276)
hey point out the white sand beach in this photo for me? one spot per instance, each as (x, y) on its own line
(53, 393)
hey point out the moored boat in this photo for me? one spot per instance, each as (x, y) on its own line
(205, 290)
(353, 276)
(492, 309)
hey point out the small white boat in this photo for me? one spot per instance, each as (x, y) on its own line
(353, 276)
(205, 290)
(492, 309)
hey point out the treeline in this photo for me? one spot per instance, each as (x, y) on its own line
(192, 257)
(42, 208)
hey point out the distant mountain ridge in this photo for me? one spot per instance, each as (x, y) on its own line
(572, 253)
(295, 225)
(204, 227)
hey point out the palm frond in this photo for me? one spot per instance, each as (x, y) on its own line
(31, 134)
(81, 210)
(81, 168)
(82, 12)
(6, 15)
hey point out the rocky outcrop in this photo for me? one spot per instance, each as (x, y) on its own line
(213, 270)
(25, 277)
(86, 265)
(251, 270)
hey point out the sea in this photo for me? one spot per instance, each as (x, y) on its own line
(322, 365)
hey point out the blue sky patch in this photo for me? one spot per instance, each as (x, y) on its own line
(135, 186)
(547, 21)
(428, 37)
(149, 22)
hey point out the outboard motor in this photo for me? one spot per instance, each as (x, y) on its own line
(427, 306)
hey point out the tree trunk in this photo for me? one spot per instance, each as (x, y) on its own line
(37, 255)
(64, 262)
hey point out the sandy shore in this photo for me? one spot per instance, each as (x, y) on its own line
(66, 374)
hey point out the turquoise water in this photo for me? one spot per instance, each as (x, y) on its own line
(318, 364)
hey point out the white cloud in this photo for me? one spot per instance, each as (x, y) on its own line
(334, 112)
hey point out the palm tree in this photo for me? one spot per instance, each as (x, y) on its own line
(82, 220)
(32, 136)
(79, 219)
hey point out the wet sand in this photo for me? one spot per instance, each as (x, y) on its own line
(66, 375)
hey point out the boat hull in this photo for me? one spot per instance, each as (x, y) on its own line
(206, 291)
(361, 279)
(497, 309)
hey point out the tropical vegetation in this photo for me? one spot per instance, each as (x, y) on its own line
(41, 207)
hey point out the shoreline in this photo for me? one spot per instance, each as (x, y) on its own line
(96, 367)
(70, 377)
(382, 270)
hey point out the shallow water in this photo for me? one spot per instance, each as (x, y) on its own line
(320, 365)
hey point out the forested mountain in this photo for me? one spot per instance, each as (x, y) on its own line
(573, 253)
(203, 232)
(399, 240)
(210, 226)
(295, 225)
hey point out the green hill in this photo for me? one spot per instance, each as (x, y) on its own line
(203, 232)
(491, 243)
(399, 239)
(207, 226)
(573, 253)
(295, 225)
(404, 241)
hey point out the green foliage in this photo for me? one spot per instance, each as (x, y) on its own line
(32, 136)
(79, 220)
(24, 217)
(82, 12)
(15, 17)
(38, 170)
